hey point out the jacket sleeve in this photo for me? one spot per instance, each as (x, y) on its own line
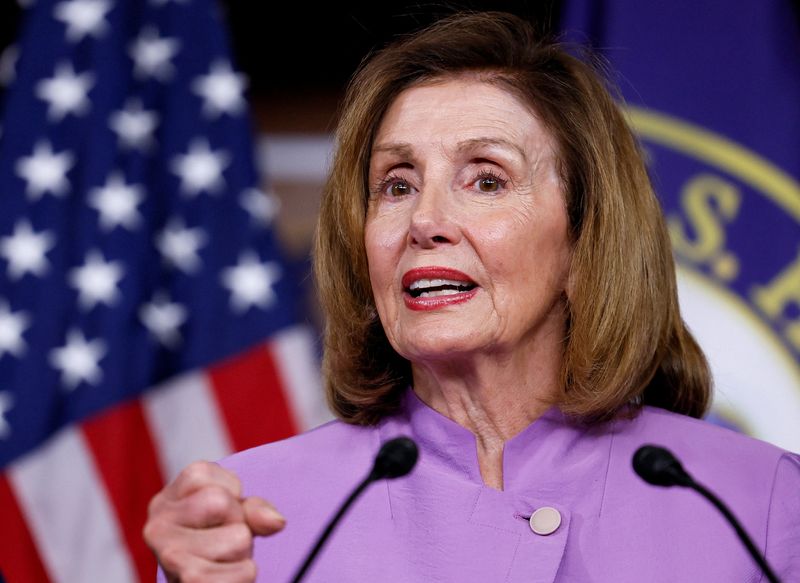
(783, 526)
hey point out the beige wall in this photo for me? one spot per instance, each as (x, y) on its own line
(294, 142)
(295, 137)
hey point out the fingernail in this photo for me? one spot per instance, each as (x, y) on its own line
(273, 514)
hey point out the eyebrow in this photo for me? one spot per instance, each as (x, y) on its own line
(405, 149)
(474, 143)
(400, 148)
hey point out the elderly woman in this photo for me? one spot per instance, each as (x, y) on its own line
(499, 286)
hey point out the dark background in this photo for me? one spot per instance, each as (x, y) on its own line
(286, 47)
(318, 48)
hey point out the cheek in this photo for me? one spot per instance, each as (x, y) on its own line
(384, 234)
(503, 244)
(525, 257)
(381, 243)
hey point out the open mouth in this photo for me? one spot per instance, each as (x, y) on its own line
(431, 288)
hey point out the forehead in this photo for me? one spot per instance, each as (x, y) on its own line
(452, 111)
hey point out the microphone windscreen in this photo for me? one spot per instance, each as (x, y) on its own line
(657, 466)
(396, 458)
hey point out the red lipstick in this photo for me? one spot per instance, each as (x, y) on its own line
(433, 287)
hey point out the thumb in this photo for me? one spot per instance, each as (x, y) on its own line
(261, 516)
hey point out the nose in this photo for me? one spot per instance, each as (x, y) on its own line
(433, 220)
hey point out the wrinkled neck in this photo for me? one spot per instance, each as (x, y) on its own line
(456, 446)
(493, 397)
(495, 403)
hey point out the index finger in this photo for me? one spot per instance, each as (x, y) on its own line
(199, 475)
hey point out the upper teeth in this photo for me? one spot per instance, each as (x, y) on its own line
(423, 283)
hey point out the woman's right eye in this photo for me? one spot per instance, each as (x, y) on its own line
(398, 188)
(393, 186)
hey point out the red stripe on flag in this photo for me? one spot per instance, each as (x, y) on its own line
(126, 458)
(19, 559)
(250, 393)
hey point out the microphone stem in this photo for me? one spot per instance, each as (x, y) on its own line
(329, 529)
(754, 552)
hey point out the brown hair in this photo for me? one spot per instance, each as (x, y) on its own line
(626, 342)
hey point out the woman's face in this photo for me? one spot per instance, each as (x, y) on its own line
(466, 232)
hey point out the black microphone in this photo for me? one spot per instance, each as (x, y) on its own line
(396, 458)
(657, 466)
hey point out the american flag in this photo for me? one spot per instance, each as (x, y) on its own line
(147, 318)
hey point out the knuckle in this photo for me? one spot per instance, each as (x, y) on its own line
(156, 502)
(172, 559)
(215, 503)
(240, 537)
(193, 575)
(199, 474)
(195, 473)
(152, 532)
(248, 571)
(233, 542)
(235, 484)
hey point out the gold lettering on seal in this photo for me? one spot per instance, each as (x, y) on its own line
(774, 298)
(709, 202)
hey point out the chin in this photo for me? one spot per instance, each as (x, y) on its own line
(434, 349)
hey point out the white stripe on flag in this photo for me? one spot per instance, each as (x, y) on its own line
(186, 423)
(61, 494)
(293, 349)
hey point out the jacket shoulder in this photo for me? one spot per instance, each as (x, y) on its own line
(694, 437)
(330, 450)
(732, 464)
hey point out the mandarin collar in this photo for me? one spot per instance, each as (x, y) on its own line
(448, 446)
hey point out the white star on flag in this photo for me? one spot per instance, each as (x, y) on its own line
(66, 92)
(96, 280)
(250, 282)
(200, 169)
(12, 325)
(25, 250)
(134, 125)
(116, 202)
(45, 171)
(78, 360)
(262, 206)
(83, 18)
(6, 403)
(221, 90)
(163, 318)
(128, 202)
(151, 54)
(180, 246)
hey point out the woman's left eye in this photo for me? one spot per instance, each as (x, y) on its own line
(489, 182)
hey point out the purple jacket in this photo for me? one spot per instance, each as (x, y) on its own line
(441, 523)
